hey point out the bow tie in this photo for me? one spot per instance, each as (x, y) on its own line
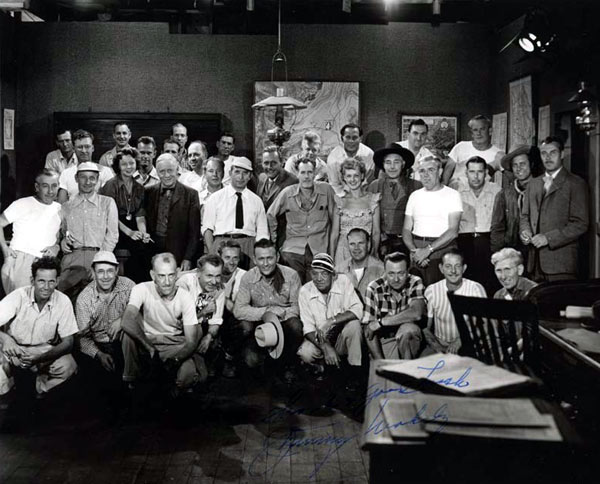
(166, 190)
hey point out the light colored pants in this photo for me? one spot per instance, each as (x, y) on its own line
(49, 374)
(405, 344)
(349, 342)
(16, 271)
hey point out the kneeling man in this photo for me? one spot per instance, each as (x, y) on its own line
(168, 331)
(37, 325)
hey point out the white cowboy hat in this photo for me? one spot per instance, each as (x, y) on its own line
(269, 335)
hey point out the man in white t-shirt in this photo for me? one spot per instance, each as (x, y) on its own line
(83, 143)
(351, 147)
(441, 333)
(417, 136)
(431, 220)
(168, 331)
(36, 226)
(481, 145)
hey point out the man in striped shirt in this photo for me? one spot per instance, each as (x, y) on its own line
(441, 333)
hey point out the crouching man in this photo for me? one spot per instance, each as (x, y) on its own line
(330, 310)
(37, 325)
(168, 332)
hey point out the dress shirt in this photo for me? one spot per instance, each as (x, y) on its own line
(95, 313)
(57, 162)
(373, 270)
(127, 203)
(303, 227)
(257, 293)
(91, 222)
(336, 158)
(203, 196)
(219, 214)
(192, 285)
(316, 307)
(460, 153)
(147, 180)
(193, 180)
(68, 183)
(518, 293)
(381, 300)
(439, 309)
(477, 211)
(29, 326)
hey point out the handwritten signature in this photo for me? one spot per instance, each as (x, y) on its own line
(461, 382)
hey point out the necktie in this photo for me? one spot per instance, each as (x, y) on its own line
(394, 187)
(547, 182)
(239, 212)
(268, 186)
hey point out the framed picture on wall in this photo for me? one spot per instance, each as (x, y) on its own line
(443, 133)
(521, 123)
(331, 105)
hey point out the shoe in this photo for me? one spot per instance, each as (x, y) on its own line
(229, 370)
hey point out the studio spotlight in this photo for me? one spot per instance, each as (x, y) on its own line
(537, 34)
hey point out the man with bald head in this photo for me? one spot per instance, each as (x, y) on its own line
(173, 214)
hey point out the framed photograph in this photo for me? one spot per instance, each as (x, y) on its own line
(444, 130)
(9, 129)
(331, 105)
(521, 124)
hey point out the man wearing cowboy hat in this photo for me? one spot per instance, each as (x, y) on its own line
(525, 163)
(90, 223)
(415, 142)
(234, 212)
(395, 187)
(330, 310)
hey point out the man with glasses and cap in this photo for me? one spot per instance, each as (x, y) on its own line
(90, 223)
(395, 187)
(330, 311)
(234, 212)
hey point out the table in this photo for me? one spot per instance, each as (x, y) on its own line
(445, 458)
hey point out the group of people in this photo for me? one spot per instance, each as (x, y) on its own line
(314, 262)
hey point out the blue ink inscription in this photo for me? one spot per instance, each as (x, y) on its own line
(461, 382)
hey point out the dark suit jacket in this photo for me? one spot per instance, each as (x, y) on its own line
(183, 233)
(284, 180)
(562, 215)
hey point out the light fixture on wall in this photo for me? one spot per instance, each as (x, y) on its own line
(280, 102)
(536, 34)
(586, 101)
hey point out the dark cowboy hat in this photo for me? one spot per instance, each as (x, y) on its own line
(532, 152)
(406, 155)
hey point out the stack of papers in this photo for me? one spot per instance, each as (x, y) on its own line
(497, 418)
(454, 375)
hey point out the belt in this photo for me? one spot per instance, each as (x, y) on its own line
(234, 236)
(474, 234)
(95, 249)
(426, 239)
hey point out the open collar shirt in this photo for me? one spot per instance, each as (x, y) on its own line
(372, 270)
(316, 307)
(95, 313)
(21, 318)
(56, 161)
(91, 222)
(257, 294)
(477, 211)
(192, 285)
(147, 180)
(519, 292)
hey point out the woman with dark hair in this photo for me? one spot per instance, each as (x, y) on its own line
(356, 208)
(129, 197)
(524, 162)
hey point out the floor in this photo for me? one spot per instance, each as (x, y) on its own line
(239, 430)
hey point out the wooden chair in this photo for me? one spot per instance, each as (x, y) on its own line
(498, 332)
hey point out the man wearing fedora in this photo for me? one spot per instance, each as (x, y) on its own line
(395, 187)
(267, 288)
(90, 223)
(415, 143)
(99, 309)
(330, 310)
(234, 212)
(524, 162)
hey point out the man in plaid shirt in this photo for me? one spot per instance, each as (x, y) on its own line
(394, 305)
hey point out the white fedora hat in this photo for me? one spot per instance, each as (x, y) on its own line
(269, 335)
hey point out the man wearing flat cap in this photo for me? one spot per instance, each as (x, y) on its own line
(234, 212)
(525, 163)
(90, 223)
(395, 187)
(330, 311)
(99, 309)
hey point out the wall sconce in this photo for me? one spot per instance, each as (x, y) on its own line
(537, 34)
(586, 101)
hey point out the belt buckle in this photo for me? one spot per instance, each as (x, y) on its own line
(476, 234)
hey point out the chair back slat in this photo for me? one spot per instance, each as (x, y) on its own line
(498, 332)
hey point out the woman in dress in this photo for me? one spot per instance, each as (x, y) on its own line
(129, 197)
(356, 208)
